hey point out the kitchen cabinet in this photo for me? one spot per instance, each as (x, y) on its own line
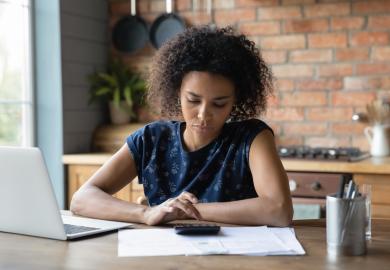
(78, 174)
(374, 171)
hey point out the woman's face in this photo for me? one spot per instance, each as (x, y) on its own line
(206, 102)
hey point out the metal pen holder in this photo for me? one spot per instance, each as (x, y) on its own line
(346, 225)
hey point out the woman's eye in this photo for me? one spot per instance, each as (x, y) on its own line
(219, 105)
(193, 101)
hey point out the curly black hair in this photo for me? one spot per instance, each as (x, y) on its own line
(216, 50)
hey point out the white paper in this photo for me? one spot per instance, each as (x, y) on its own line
(259, 241)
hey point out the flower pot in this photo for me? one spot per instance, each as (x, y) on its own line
(120, 114)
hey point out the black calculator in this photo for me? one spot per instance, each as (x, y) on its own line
(196, 229)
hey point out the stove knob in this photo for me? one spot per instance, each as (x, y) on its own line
(316, 186)
(293, 184)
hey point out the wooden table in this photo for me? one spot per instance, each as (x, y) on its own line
(100, 252)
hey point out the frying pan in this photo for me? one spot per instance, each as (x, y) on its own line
(165, 26)
(130, 33)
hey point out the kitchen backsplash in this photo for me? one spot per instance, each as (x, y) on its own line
(330, 58)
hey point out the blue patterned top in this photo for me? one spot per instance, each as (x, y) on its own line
(218, 172)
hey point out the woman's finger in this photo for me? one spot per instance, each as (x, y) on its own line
(188, 196)
(186, 207)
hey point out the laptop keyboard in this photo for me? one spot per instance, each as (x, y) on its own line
(72, 229)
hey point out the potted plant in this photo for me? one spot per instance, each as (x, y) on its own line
(120, 88)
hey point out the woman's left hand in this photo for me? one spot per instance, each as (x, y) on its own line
(180, 207)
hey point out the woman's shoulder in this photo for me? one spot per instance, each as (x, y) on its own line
(160, 127)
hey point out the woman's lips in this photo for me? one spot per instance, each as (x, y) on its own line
(202, 128)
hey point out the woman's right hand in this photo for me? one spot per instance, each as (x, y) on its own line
(180, 207)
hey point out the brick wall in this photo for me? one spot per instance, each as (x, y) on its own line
(329, 57)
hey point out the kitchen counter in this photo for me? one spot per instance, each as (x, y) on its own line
(373, 171)
(367, 166)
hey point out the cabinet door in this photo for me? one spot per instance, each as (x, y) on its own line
(79, 174)
(380, 189)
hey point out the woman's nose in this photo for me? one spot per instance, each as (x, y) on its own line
(204, 113)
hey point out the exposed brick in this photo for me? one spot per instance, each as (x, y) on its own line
(293, 71)
(289, 140)
(327, 141)
(366, 7)
(138, 63)
(369, 38)
(283, 42)
(157, 6)
(379, 22)
(329, 114)
(183, 5)
(279, 13)
(285, 114)
(256, 3)
(273, 100)
(304, 99)
(347, 128)
(319, 84)
(352, 54)
(306, 25)
(326, 10)
(336, 70)
(296, 2)
(385, 82)
(374, 68)
(305, 128)
(260, 28)
(274, 57)
(123, 8)
(195, 18)
(347, 23)
(360, 142)
(352, 98)
(284, 85)
(276, 127)
(361, 83)
(311, 56)
(331, 40)
(234, 15)
(380, 53)
(221, 4)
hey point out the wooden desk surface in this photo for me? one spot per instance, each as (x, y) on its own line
(100, 252)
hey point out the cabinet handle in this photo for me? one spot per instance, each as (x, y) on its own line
(292, 184)
(316, 186)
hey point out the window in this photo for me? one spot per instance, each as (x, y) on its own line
(16, 91)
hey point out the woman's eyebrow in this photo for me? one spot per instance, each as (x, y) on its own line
(198, 96)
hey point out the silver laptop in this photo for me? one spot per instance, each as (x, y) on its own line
(28, 204)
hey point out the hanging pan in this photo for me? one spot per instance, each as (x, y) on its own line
(165, 26)
(130, 33)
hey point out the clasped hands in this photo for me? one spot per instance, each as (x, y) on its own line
(180, 207)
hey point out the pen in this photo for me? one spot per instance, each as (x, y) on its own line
(349, 189)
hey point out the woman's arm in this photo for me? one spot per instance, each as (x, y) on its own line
(94, 198)
(273, 205)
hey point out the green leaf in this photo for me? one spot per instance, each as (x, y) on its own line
(140, 85)
(102, 91)
(127, 95)
(116, 97)
(108, 78)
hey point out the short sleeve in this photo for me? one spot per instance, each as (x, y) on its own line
(136, 143)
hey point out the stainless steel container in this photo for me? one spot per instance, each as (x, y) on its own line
(345, 225)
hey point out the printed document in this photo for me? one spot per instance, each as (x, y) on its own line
(252, 241)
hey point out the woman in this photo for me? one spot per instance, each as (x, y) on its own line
(219, 164)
